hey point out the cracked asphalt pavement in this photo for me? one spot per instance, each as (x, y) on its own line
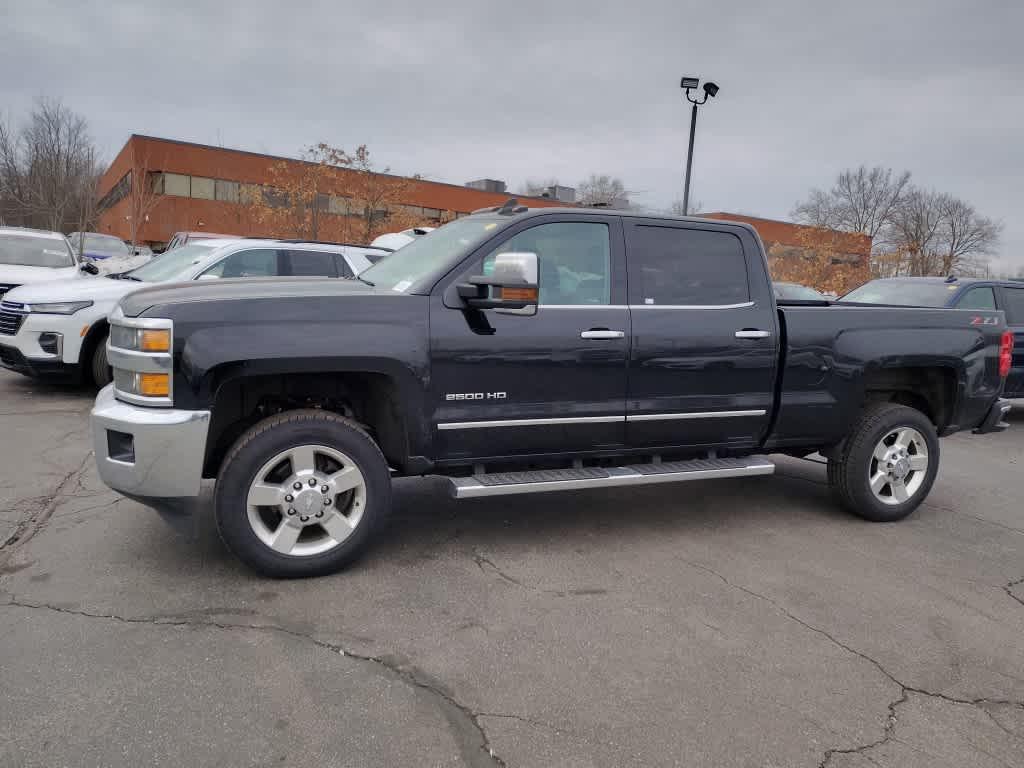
(750, 623)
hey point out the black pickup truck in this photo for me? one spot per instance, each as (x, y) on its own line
(521, 351)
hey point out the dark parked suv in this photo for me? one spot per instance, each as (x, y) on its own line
(956, 293)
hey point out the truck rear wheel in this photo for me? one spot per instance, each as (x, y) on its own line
(888, 463)
(301, 493)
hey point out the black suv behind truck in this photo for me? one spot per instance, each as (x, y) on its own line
(518, 351)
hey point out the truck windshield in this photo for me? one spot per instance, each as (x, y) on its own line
(903, 292)
(32, 251)
(430, 252)
(171, 265)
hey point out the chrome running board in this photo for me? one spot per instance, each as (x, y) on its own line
(542, 480)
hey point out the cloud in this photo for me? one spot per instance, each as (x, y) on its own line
(460, 90)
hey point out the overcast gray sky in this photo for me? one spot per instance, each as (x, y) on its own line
(517, 90)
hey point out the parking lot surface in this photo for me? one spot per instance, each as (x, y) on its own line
(749, 623)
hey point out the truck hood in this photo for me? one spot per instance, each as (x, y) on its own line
(19, 274)
(78, 288)
(139, 301)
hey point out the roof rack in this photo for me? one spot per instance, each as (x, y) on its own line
(507, 208)
(300, 241)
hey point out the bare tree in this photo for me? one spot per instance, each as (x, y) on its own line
(861, 200)
(933, 233)
(143, 198)
(45, 167)
(602, 190)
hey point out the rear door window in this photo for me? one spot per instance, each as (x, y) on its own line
(982, 297)
(685, 267)
(311, 264)
(1013, 303)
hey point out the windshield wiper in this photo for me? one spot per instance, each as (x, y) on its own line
(362, 279)
(127, 276)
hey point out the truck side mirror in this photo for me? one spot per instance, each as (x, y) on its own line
(512, 286)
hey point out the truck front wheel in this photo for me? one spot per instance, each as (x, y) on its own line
(301, 493)
(888, 464)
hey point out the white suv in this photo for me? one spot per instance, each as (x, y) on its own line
(61, 327)
(32, 256)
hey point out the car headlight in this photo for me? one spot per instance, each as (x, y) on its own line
(57, 307)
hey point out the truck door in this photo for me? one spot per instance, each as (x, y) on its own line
(1012, 303)
(511, 385)
(703, 360)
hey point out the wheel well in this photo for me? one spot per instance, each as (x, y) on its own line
(95, 335)
(368, 398)
(931, 390)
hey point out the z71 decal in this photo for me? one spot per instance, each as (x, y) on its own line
(982, 320)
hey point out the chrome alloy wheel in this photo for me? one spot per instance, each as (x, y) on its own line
(898, 466)
(306, 500)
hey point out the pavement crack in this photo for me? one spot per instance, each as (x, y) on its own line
(30, 525)
(1008, 589)
(485, 564)
(463, 721)
(904, 688)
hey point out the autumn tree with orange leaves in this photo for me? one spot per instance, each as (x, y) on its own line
(821, 260)
(332, 194)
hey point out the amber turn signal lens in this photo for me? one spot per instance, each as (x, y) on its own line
(154, 384)
(519, 294)
(156, 341)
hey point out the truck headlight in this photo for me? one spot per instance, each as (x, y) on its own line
(57, 307)
(139, 352)
(140, 339)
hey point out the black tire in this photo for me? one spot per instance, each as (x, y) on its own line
(849, 474)
(99, 368)
(260, 444)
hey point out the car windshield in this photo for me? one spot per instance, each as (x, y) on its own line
(796, 292)
(35, 251)
(430, 252)
(172, 264)
(903, 292)
(100, 245)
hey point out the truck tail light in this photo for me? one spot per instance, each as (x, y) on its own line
(1005, 354)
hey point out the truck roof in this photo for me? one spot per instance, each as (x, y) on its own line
(523, 211)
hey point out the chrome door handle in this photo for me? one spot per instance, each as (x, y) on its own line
(753, 334)
(603, 334)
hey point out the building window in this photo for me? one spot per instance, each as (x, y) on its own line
(274, 198)
(249, 194)
(117, 193)
(202, 188)
(226, 191)
(177, 185)
(338, 205)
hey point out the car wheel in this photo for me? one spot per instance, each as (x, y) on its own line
(99, 367)
(301, 493)
(888, 464)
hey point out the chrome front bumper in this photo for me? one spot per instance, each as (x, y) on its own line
(167, 447)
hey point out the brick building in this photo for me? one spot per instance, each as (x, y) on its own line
(790, 240)
(203, 188)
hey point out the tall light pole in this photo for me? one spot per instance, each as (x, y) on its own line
(710, 89)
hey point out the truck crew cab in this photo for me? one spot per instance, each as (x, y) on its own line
(521, 351)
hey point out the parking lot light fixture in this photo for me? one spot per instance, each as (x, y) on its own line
(710, 89)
